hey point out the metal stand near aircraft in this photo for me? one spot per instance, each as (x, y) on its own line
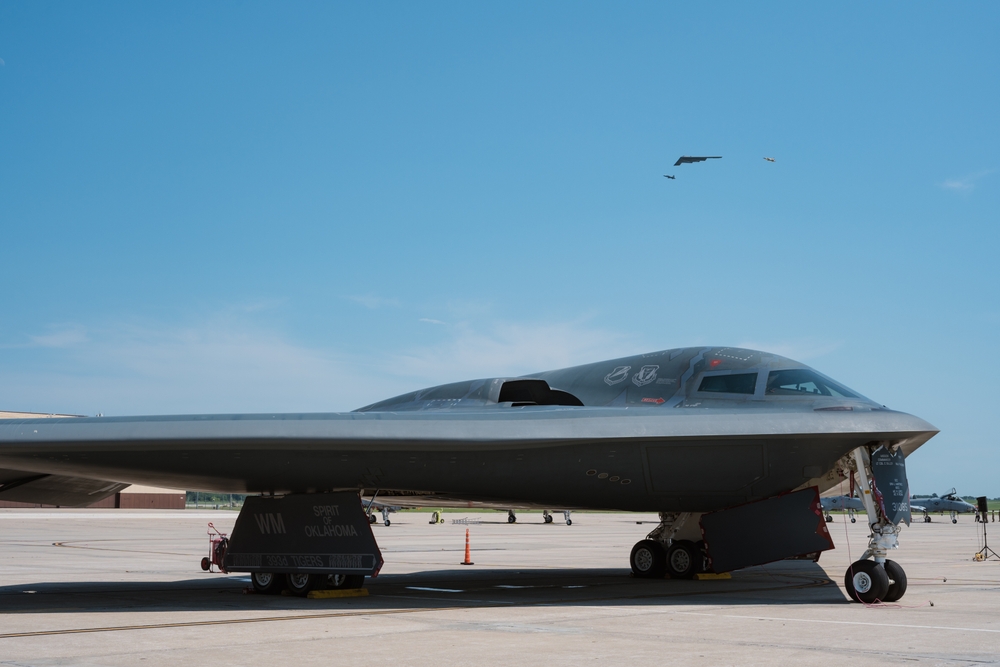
(731, 446)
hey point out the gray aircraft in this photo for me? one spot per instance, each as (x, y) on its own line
(949, 502)
(713, 438)
(849, 504)
(691, 159)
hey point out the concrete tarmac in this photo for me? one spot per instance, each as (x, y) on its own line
(124, 587)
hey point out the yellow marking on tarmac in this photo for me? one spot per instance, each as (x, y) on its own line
(343, 593)
(712, 576)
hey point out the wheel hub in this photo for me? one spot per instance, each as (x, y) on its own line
(680, 560)
(643, 560)
(862, 582)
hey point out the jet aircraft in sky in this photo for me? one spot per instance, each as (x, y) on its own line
(712, 438)
(689, 159)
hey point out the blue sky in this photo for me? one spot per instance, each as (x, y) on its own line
(254, 207)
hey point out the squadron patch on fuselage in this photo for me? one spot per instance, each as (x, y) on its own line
(617, 375)
(645, 375)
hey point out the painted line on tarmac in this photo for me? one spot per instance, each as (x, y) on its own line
(230, 621)
(831, 622)
(385, 612)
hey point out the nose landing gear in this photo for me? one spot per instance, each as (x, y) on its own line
(878, 579)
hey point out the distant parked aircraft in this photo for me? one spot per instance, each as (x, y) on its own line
(949, 502)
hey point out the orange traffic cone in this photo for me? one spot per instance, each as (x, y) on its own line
(468, 554)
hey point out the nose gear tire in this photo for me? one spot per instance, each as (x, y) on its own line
(866, 581)
(897, 581)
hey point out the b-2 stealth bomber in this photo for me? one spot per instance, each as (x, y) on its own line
(731, 446)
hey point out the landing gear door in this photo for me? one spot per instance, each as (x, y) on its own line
(892, 490)
(309, 533)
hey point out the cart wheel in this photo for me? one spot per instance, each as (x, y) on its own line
(300, 584)
(206, 564)
(267, 583)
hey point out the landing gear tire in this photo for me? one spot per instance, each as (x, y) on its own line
(853, 520)
(569, 522)
(267, 583)
(388, 523)
(511, 517)
(927, 519)
(344, 581)
(648, 560)
(897, 581)
(372, 519)
(829, 519)
(954, 520)
(547, 518)
(301, 584)
(683, 559)
(866, 581)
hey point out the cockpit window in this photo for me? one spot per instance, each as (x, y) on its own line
(739, 383)
(800, 382)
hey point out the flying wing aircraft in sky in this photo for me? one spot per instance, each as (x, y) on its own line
(688, 159)
(712, 438)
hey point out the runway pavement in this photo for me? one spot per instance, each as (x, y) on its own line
(124, 587)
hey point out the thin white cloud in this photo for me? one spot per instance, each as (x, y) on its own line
(231, 363)
(431, 321)
(67, 337)
(510, 349)
(965, 183)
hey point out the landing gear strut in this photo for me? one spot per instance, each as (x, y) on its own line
(878, 579)
(664, 553)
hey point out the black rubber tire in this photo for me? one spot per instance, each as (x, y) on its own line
(829, 519)
(206, 564)
(372, 519)
(266, 583)
(683, 559)
(547, 518)
(954, 520)
(648, 560)
(344, 581)
(569, 522)
(301, 584)
(388, 523)
(871, 576)
(511, 518)
(853, 520)
(897, 581)
(927, 519)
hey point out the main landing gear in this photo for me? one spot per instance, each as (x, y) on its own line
(511, 517)
(663, 553)
(268, 583)
(878, 579)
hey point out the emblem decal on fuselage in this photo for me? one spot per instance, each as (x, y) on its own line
(617, 375)
(645, 375)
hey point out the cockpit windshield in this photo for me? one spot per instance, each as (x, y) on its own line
(802, 381)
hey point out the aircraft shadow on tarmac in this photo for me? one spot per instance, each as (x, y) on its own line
(784, 583)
